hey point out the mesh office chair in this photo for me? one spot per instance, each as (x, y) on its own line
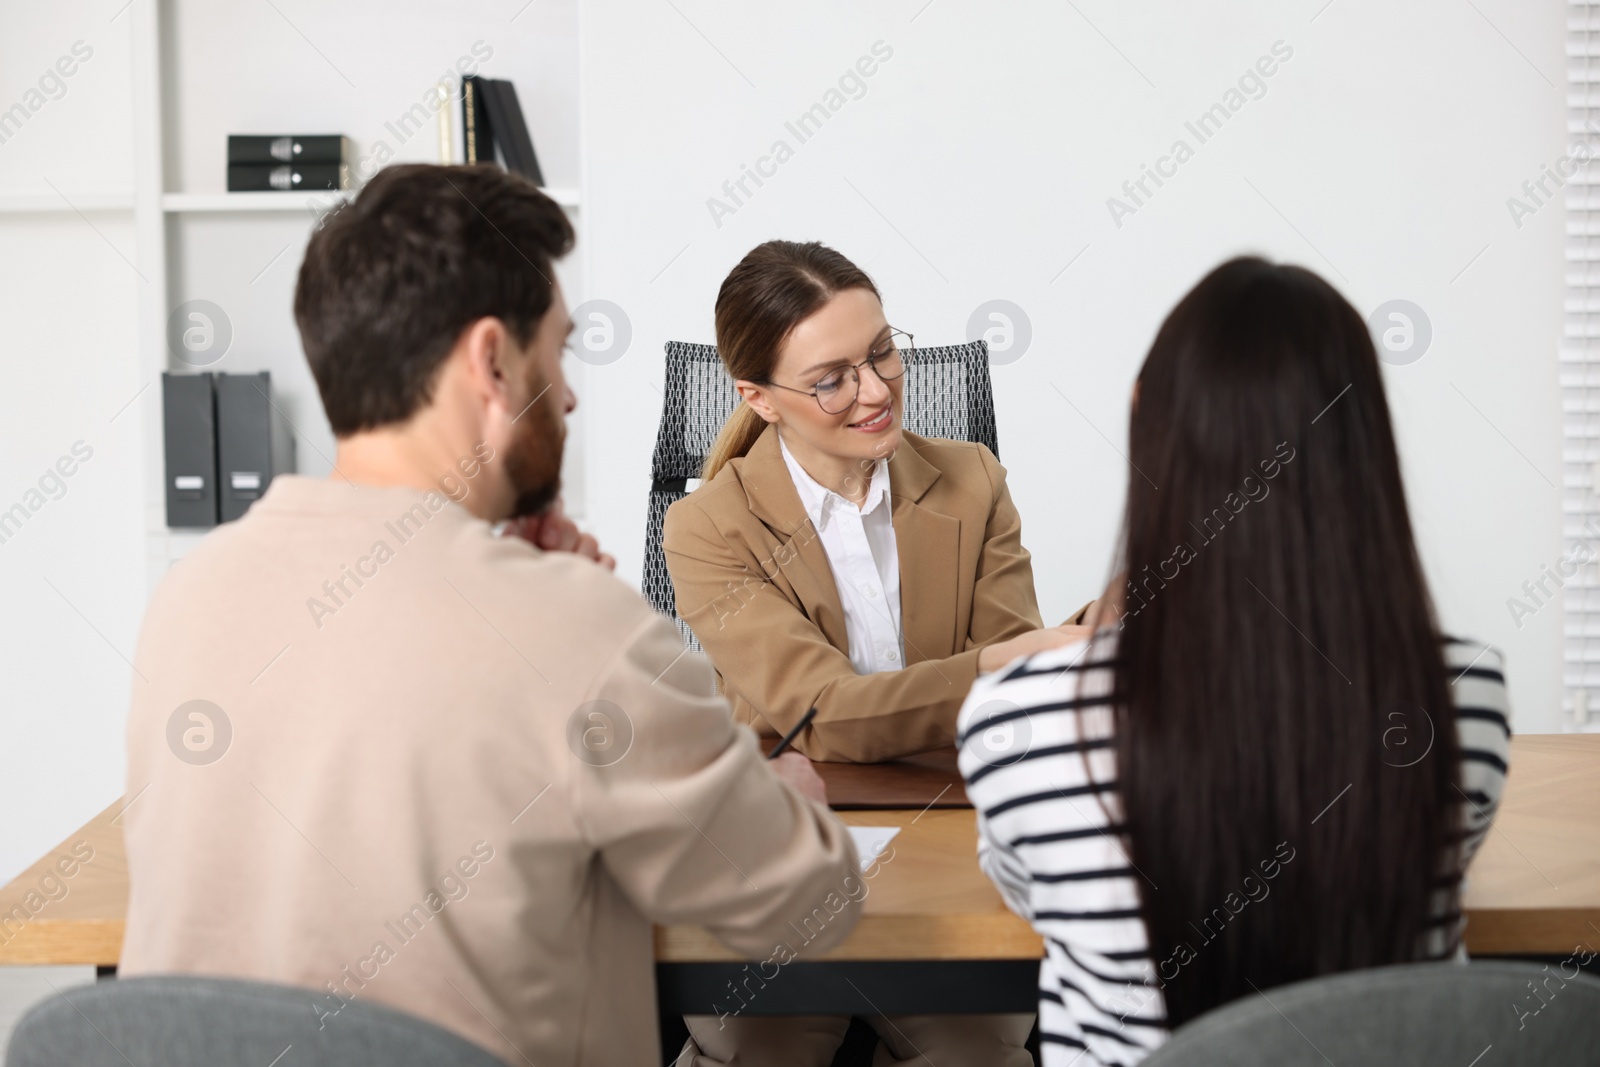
(182, 1021)
(1412, 1014)
(947, 394)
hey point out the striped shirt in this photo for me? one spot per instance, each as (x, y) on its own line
(1040, 765)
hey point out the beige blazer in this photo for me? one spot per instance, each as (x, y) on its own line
(753, 583)
(381, 754)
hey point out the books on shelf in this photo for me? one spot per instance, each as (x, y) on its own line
(492, 125)
(477, 137)
(491, 119)
(288, 162)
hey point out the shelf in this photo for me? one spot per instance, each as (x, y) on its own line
(51, 201)
(190, 203)
(196, 202)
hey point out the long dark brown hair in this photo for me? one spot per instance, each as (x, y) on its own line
(775, 287)
(1279, 677)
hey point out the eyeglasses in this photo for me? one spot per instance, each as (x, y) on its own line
(837, 391)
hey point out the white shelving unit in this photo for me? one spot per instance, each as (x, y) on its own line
(240, 250)
(112, 213)
(193, 203)
(236, 202)
(50, 201)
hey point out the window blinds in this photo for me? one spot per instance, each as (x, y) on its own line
(1580, 371)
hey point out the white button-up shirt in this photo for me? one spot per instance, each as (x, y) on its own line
(861, 550)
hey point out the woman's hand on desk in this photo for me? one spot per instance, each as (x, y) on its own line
(795, 769)
(552, 531)
(993, 657)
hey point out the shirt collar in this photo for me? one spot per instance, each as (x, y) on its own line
(821, 502)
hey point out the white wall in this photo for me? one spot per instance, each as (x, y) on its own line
(976, 166)
(978, 163)
(72, 580)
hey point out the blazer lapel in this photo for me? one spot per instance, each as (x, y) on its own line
(800, 556)
(929, 545)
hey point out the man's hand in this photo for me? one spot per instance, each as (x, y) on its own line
(552, 531)
(795, 769)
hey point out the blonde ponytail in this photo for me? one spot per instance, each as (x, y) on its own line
(736, 438)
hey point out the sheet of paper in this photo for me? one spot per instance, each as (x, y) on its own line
(871, 841)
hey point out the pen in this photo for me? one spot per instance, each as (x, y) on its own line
(805, 720)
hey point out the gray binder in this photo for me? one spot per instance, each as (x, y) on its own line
(254, 441)
(190, 431)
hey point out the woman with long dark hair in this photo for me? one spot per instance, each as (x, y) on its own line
(1267, 763)
(834, 561)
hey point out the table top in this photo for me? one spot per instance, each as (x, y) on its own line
(1534, 888)
(84, 925)
(926, 900)
(927, 780)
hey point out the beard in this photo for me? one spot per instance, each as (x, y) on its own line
(533, 459)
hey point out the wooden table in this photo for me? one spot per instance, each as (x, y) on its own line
(1534, 889)
(928, 780)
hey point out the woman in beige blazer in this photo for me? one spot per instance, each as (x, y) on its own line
(751, 570)
(832, 560)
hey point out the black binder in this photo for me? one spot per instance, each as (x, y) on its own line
(287, 177)
(510, 129)
(254, 441)
(190, 431)
(288, 148)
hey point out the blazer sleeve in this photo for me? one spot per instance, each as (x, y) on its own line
(1003, 600)
(778, 660)
(691, 822)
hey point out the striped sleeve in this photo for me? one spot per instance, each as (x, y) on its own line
(1483, 723)
(1483, 726)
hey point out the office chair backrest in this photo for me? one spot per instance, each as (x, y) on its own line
(183, 1021)
(1412, 1014)
(947, 394)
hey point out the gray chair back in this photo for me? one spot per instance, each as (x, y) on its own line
(1413, 1014)
(182, 1021)
(947, 394)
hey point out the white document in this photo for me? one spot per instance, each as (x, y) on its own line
(871, 841)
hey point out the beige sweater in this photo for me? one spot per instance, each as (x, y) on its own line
(450, 773)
